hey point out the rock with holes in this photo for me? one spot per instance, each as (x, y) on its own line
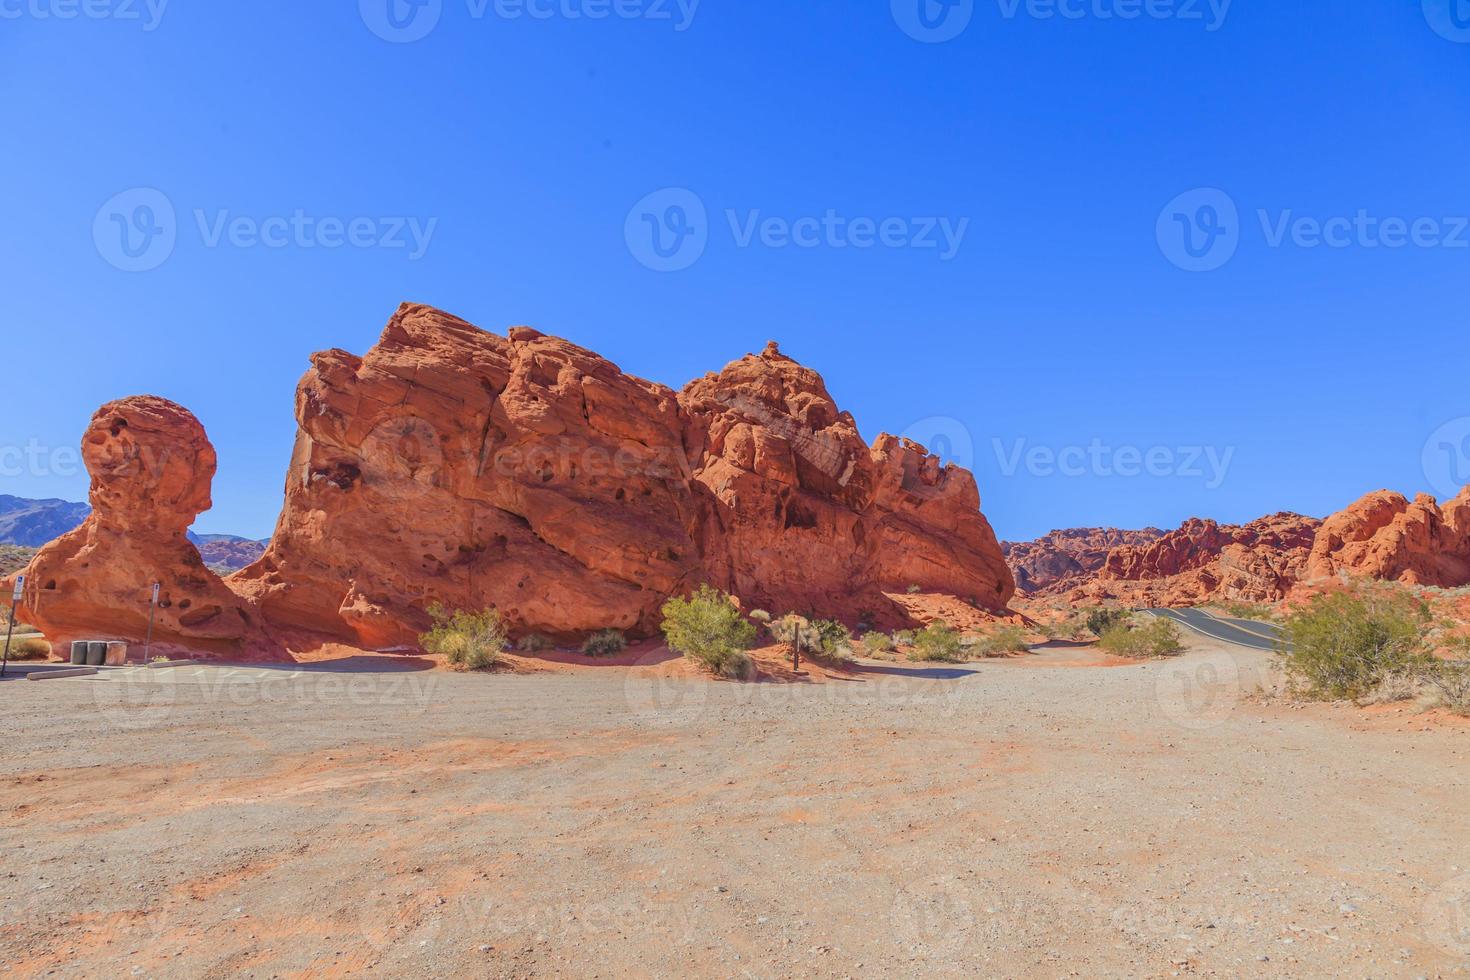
(458, 467)
(151, 466)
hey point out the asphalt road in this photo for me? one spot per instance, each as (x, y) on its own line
(1240, 632)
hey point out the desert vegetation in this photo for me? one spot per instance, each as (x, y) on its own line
(605, 643)
(1343, 645)
(707, 628)
(937, 642)
(29, 648)
(1142, 638)
(876, 644)
(466, 640)
(1004, 642)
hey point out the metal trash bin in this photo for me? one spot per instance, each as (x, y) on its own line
(117, 654)
(96, 653)
(79, 653)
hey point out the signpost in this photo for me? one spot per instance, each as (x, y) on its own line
(20, 584)
(148, 643)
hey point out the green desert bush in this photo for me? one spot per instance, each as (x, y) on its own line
(914, 590)
(1344, 644)
(836, 639)
(29, 649)
(903, 638)
(1449, 680)
(1002, 643)
(708, 629)
(875, 644)
(533, 643)
(798, 633)
(1150, 640)
(605, 643)
(760, 616)
(1099, 621)
(937, 642)
(468, 640)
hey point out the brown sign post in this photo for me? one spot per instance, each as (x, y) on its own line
(20, 584)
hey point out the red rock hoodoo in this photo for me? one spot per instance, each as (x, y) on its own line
(151, 467)
(455, 466)
(1062, 560)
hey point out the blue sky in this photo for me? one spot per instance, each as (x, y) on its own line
(1055, 323)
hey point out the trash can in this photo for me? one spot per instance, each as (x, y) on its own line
(117, 654)
(79, 653)
(96, 653)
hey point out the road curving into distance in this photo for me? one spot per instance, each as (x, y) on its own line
(1246, 633)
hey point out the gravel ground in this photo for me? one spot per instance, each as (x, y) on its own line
(1039, 818)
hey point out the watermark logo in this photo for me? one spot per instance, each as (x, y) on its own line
(149, 13)
(1199, 695)
(401, 21)
(1450, 19)
(933, 21)
(1209, 464)
(1447, 458)
(1199, 231)
(935, 915)
(1447, 917)
(136, 231)
(1211, 13)
(35, 459)
(668, 230)
(134, 701)
(947, 438)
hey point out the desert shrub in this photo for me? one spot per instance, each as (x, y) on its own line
(708, 629)
(876, 643)
(914, 590)
(533, 643)
(797, 632)
(1247, 610)
(1344, 644)
(605, 643)
(1450, 681)
(1149, 640)
(469, 640)
(836, 639)
(760, 615)
(937, 642)
(29, 649)
(1003, 642)
(1099, 621)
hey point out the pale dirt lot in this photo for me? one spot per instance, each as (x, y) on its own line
(1046, 817)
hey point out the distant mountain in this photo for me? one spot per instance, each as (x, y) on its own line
(32, 523)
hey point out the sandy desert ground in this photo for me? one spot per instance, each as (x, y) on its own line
(1040, 817)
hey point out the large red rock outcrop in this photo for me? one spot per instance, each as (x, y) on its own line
(1204, 560)
(1386, 536)
(151, 467)
(455, 466)
(1062, 560)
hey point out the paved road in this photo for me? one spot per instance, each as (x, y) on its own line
(1241, 632)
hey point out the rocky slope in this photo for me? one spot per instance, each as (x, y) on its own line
(1386, 536)
(453, 466)
(1062, 559)
(31, 523)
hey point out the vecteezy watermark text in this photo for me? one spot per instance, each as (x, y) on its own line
(1097, 459)
(406, 21)
(669, 230)
(137, 230)
(148, 13)
(937, 21)
(1200, 230)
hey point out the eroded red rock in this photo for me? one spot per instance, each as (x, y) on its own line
(1386, 536)
(1063, 560)
(151, 466)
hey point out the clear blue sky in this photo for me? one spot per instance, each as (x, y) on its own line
(1060, 320)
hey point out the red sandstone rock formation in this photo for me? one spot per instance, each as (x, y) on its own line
(151, 466)
(1062, 560)
(455, 466)
(1385, 536)
(1204, 560)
